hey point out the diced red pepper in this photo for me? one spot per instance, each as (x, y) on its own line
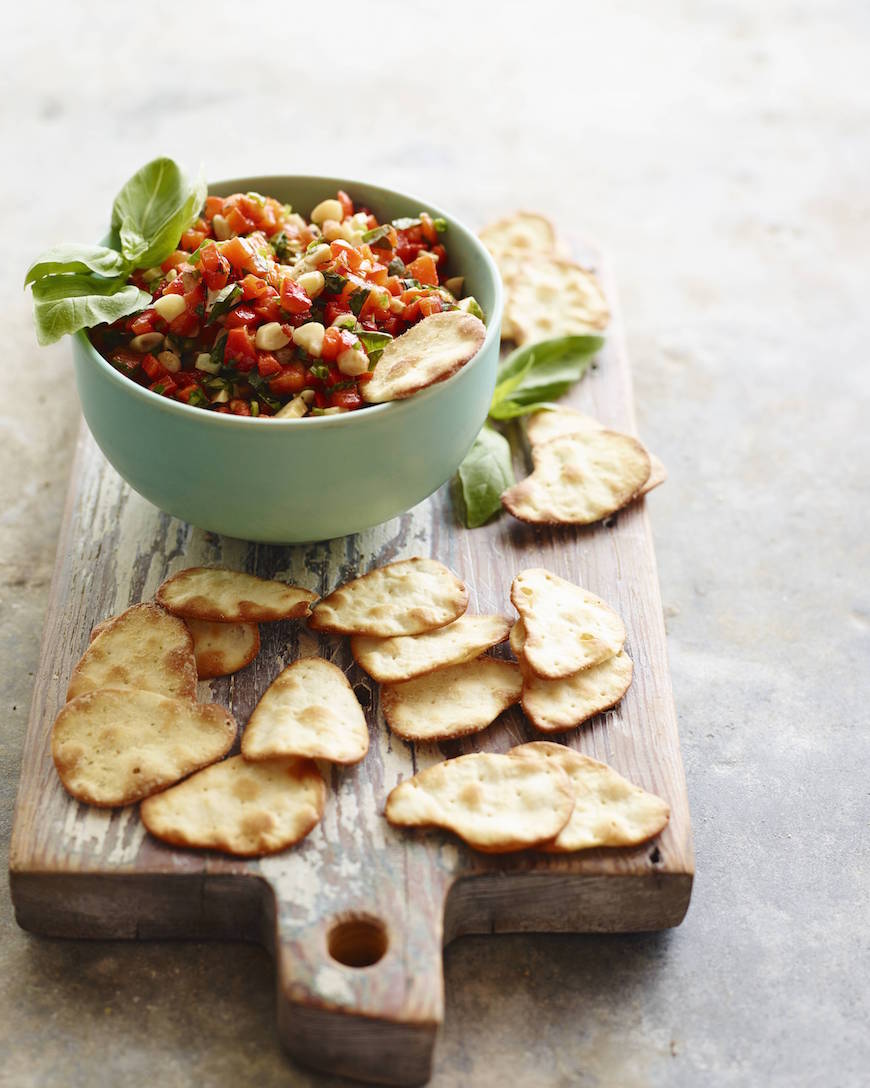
(214, 205)
(143, 322)
(432, 304)
(240, 348)
(192, 239)
(348, 399)
(293, 297)
(239, 407)
(152, 368)
(253, 287)
(242, 256)
(241, 315)
(269, 309)
(346, 203)
(424, 269)
(267, 364)
(292, 379)
(215, 267)
(239, 222)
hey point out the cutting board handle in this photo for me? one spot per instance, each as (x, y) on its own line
(361, 994)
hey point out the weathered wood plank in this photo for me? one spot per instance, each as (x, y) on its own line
(77, 871)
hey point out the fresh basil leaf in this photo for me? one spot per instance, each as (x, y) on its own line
(541, 372)
(396, 267)
(226, 298)
(72, 257)
(65, 304)
(358, 299)
(319, 371)
(373, 236)
(484, 474)
(511, 409)
(261, 386)
(406, 223)
(374, 343)
(334, 282)
(154, 209)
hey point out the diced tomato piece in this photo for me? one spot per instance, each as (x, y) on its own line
(407, 251)
(393, 325)
(378, 274)
(321, 400)
(411, 312)
(394, 285)
(430, 305)
(241, 315)
(143, 322)
(174, 260)
(267, 364)
(192, 239)
(293, 297)
(346, 203)
(239, 407)
(439, 253)
(214, 205)
(184, 379)
(185, 325)
(348, 399)
(126, 360)
(424, 269)
(253, 287)
(152, 367)
(242, 256)
(292, 379)
(376, 306)
(335, 341)
(346, 255)
(269, 309)
(335, 308)
(239, 222)
(215, 267)
(240, 348)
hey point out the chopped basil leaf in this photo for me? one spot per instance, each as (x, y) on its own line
(358, 299)
(374, 343)
(376, 233)
(319, 371)
(334, 282)
(159, 389)
(220, 346)
(198, 399)
(409, 283)
(280, 243)
(396, 267)
(261, 386)
(227, 297)
(440, 225)
(317, 411)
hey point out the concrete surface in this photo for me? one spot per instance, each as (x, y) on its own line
(721, 152)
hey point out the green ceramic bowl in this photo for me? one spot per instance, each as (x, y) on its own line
(286, 481)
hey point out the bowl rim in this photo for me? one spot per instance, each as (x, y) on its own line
(343, 419)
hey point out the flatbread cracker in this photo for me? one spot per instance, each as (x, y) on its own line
(242, 808)
(221, 649)
(494, 806)
(113, 746)
(409, 597)
(567, 628)
(521, 233)
(230, 596)
(548, 296)
(144, 647)
(308, 710)
(608, 809)
(404, 657)
(552, 706)
(555, 422)
(579, 479)
(451, 702)
(431, 351)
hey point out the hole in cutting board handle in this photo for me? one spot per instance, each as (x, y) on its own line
(359, 941)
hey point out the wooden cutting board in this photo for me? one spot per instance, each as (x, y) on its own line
(355, 891)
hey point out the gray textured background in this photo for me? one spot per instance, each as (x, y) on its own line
(721, 153)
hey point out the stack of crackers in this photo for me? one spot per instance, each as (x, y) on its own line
(132, 728)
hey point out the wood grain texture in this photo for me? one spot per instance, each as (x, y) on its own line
(82, 872)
